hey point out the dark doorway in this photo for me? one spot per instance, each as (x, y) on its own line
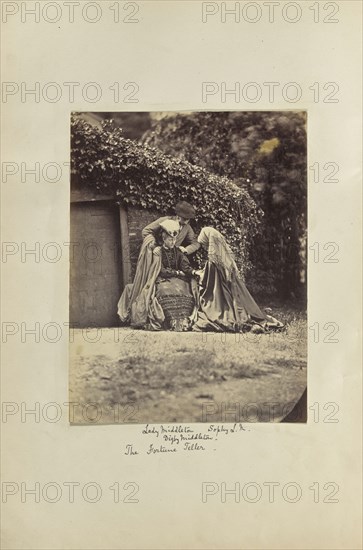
(95, 264)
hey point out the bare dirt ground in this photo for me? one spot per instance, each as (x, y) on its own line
(120, 375)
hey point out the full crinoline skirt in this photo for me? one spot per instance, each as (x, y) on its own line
(225, 304)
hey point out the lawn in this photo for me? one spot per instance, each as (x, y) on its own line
(150, 377)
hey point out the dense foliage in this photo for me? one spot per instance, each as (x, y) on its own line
(143, 176)
(265, 154)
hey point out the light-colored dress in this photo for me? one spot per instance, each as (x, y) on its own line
(225, 302)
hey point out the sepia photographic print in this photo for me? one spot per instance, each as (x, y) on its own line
(188, 267)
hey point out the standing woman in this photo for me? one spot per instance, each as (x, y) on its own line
(225, 302)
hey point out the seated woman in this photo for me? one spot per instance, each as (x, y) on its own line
(176, 290)
(225, 302)
(163, 295)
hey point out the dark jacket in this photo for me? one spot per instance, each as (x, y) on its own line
(172, 261)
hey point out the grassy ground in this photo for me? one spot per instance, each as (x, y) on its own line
(149, 377)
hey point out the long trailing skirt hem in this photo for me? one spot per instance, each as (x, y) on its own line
(227, 306)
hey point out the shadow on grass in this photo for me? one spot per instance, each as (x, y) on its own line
(185, 369)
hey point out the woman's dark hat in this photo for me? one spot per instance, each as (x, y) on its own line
(185, 210)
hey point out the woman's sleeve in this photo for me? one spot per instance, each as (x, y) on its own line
(191, 241)
(153, 228)
(184, 264)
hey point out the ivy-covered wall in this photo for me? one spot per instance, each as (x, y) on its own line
(265, 153)
(145, 178)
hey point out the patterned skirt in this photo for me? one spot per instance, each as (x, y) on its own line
(177, 301)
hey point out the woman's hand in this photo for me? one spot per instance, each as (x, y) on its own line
(198, 273)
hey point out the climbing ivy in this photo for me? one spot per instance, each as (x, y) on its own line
(144, 177)
(264, 153)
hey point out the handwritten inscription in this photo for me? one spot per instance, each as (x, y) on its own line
(130, 450)
(174, 438)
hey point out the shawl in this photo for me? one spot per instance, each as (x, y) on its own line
(219, 252)
(225, 299)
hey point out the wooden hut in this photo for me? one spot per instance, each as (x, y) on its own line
(106, 238)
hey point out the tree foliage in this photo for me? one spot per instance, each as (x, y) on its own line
(264, 153)
(143, 176)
